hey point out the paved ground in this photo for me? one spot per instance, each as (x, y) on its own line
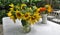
(1, 30)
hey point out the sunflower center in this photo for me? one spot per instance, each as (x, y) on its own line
(38, 11)
(33, 18)
(26, 15)
(18, 14)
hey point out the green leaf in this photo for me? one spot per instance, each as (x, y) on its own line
(24, 22)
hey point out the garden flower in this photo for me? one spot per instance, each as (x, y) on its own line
(11, 5)
(37, 10)
(37, 16)
(34, 18)
(19, 15)
(26, 16)
(13, 18)
(9, 13)
(42, 9)
(11, 9)
(22, 5)
(49, 8)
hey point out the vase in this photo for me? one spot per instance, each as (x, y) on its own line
(44, 18)
(26, 27)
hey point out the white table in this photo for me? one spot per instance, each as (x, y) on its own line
(9, 28)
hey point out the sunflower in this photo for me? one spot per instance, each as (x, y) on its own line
(37, 16)
(34, 18)
(11, 9)
(37, 10)
(26, 15)
(22, 5)
(49, 9)
(9, 13)
(19, 15)
(13, 18)
(11, 5)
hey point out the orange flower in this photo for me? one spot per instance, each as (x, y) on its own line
(42, 9)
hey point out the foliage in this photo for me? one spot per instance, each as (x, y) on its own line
(2, 14)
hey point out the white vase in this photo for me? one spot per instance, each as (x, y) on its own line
(44, 18)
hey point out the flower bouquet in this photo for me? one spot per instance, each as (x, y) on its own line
(27, 15)
(44, 11)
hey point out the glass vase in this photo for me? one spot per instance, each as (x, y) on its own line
(26, 27)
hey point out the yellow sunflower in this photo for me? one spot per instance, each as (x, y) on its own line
(19, 15)
(9, 13)
(37, 16)
(37, 10)
(13, 18)
(11, 9)
(22, 5)
(49, 8)
(34, 18)
(11, 5)
(26, 15)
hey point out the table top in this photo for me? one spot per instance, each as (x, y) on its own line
(9, 28)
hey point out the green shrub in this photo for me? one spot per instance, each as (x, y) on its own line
(2, 14)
